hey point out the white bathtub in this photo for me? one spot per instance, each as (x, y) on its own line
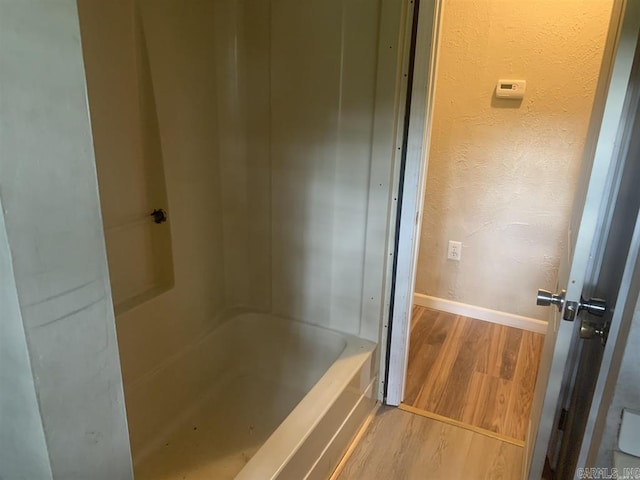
(259, 398)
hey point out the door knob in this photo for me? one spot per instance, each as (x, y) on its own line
(546, 298)
(589, 327)
(590, 330)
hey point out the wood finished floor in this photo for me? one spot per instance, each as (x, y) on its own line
(399, 445)
(479, 373)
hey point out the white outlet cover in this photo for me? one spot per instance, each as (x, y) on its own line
(454, 246)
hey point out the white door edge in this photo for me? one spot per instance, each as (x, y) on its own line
(417, 148)
(395, 27)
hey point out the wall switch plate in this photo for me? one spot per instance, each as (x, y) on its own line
(454, 252)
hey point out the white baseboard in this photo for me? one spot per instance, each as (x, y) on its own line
(486, 314)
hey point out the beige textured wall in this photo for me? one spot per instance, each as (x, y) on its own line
(501, 172)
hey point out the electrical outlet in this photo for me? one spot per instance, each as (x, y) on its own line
(455, 250)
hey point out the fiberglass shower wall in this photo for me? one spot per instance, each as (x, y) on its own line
(284, 93)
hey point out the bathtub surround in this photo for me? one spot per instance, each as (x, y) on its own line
(56, 301)
(501, 172)
(276, 128)
(269, 165)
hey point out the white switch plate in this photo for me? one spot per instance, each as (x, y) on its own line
(454, 252)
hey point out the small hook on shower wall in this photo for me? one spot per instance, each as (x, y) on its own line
(159, 215)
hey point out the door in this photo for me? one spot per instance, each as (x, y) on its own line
(594, 204)
(618, 263)
(594, 262)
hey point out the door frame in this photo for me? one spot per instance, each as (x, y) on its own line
(412, 184)
(410, 209)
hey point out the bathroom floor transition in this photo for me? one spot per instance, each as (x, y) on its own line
(473, 372)
(402, 445)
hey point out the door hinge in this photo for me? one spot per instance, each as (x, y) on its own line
(562, 421)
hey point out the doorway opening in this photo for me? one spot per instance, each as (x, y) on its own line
(500, 182)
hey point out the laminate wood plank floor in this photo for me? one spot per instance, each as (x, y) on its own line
(399, 445)
(479, 373)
